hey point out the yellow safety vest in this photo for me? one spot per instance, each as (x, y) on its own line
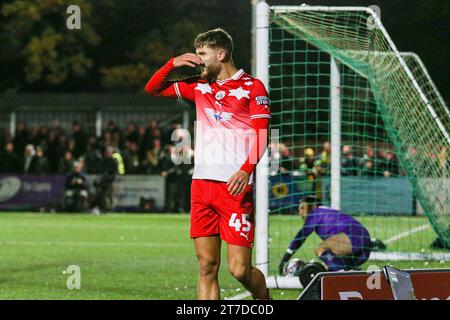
(120, 163)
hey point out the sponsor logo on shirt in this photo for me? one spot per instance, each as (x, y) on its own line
(262, 100)
(218, 116)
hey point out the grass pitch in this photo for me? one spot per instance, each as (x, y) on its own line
(143, 256)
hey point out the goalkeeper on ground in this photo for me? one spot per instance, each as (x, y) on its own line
(346, 242)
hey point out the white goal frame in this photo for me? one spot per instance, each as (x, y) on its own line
(263, 12)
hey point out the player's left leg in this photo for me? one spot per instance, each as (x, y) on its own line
(237, 229)
(207, 250)
(240, 267)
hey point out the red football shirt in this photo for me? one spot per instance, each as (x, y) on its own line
(225, 109)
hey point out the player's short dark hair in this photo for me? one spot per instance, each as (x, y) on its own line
(216, 38)
(310, 200)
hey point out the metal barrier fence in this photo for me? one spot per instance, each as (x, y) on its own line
(91, 110)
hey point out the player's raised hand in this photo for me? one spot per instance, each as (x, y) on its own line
(187, 59)
(238, 182)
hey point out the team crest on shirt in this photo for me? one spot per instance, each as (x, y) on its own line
(218, 116)
(220, 95)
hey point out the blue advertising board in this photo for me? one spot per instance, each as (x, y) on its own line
(359, 195)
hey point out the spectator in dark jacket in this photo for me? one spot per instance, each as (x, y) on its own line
(93, 156)
(131, 158)
(21, 138)
(66, 164)
(9, 161)
(41, 165)
(76, 196)
(104, 185)
(177, 165)
(152, 161)
(350, 165)
(80, 139)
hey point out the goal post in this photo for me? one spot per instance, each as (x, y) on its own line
(335, 106)
(334, 74)
(262, 203)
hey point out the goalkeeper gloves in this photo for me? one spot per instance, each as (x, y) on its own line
(284, 261)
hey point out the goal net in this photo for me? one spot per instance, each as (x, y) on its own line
(361, 126)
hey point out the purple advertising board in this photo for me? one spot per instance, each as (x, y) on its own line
(29, 191)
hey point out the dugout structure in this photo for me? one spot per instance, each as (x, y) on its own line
(334, 74)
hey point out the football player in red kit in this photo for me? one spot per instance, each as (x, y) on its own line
(231, 135)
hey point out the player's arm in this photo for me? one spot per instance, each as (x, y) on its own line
(261, 128)
(160, 86)
(239, 180)
(259, 115)
(296, 243)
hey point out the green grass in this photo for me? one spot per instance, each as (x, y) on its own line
(136, 256)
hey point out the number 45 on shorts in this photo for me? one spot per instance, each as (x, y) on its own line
(237, 223)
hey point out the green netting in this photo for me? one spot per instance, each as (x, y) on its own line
(395, 142)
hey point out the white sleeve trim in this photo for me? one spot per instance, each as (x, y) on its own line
(257, 116)
(177, 90)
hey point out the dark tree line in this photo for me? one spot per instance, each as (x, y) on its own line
(122, 42)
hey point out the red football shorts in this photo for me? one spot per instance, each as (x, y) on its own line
(214, 211)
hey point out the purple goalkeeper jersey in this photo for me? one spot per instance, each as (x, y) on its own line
(327, 222)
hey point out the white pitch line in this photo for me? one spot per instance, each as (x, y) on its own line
(240, 296)
(407, 233)
(86, 226)
(410, 256)
(92, 244)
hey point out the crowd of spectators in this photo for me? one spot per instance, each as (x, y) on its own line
(52, 150)
(370, 161)
(143, 150)
(148, 150)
